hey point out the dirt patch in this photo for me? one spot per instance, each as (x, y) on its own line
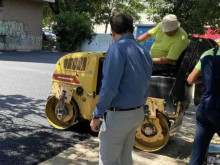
(180, 145)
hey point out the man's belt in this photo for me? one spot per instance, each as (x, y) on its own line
(119, 109)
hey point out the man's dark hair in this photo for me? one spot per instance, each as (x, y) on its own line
(122, 23)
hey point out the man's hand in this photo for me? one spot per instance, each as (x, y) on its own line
(162, 60)
(94, 124)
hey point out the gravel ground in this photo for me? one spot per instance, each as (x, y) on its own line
(180, 145)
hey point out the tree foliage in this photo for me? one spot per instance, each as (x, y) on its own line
(98, 12)
(72, 23)
(80, 6)
(72, 29)
(194, 15)
(85, 7)
(48, 17)
(111, 7)
(74, 19)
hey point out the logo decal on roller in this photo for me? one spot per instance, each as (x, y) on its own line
(66, 78)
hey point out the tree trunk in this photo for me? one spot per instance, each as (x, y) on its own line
(55, 7)
(110, 5)
(106, 27)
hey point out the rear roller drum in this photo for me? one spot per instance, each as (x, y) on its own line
(59, 114)
(153, 134)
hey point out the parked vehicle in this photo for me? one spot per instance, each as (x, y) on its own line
(213, 155)
(48, 35)
(210, 34)
(76, 85)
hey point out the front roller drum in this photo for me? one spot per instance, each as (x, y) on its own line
(59, 114)
(153, 134)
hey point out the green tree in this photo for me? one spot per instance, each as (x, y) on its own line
(77, 29)
(93, 12)
(72, 29)
(80, 6)
(48, 17)
(99, 11)
(111, 7)
(194, 15)
(86, 7)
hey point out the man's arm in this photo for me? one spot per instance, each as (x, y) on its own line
(163, 60)
(113, 70)
(194, 77)
(144, 37)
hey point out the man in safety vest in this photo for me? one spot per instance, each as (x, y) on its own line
(208, 112)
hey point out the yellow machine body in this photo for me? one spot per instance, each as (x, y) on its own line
(74, 92)
(76, 83)
(154, 132)
(76, 74)
(78, 70)
(74, 95)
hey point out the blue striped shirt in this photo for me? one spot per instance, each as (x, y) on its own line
(126, 75)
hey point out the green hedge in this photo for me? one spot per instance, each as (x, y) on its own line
(72, 29)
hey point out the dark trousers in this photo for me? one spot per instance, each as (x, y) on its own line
(207, 124)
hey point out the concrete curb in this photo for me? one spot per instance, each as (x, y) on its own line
(83, 153)
(87, 153)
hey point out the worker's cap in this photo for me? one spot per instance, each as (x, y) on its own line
(169, 23)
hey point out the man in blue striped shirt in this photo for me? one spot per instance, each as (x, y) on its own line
(126, 75)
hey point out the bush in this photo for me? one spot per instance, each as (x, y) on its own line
(72, 29)
(48, 45)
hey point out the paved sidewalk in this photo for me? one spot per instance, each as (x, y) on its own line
(87, 152)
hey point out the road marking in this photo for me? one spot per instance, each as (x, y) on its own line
(25, 69)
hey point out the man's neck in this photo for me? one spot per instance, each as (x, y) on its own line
(118, 36)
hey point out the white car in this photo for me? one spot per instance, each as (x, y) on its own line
(48, 35)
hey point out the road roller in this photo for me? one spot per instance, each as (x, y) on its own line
(76, 83)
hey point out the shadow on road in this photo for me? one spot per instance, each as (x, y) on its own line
(25, 135)
(83, 127)
(32, 56)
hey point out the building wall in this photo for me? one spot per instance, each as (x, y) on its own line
(99, 42)
(21, 25)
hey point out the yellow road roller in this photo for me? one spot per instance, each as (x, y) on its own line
(76, 84)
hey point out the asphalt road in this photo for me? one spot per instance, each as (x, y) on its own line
(26, 138)
(25, 135)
